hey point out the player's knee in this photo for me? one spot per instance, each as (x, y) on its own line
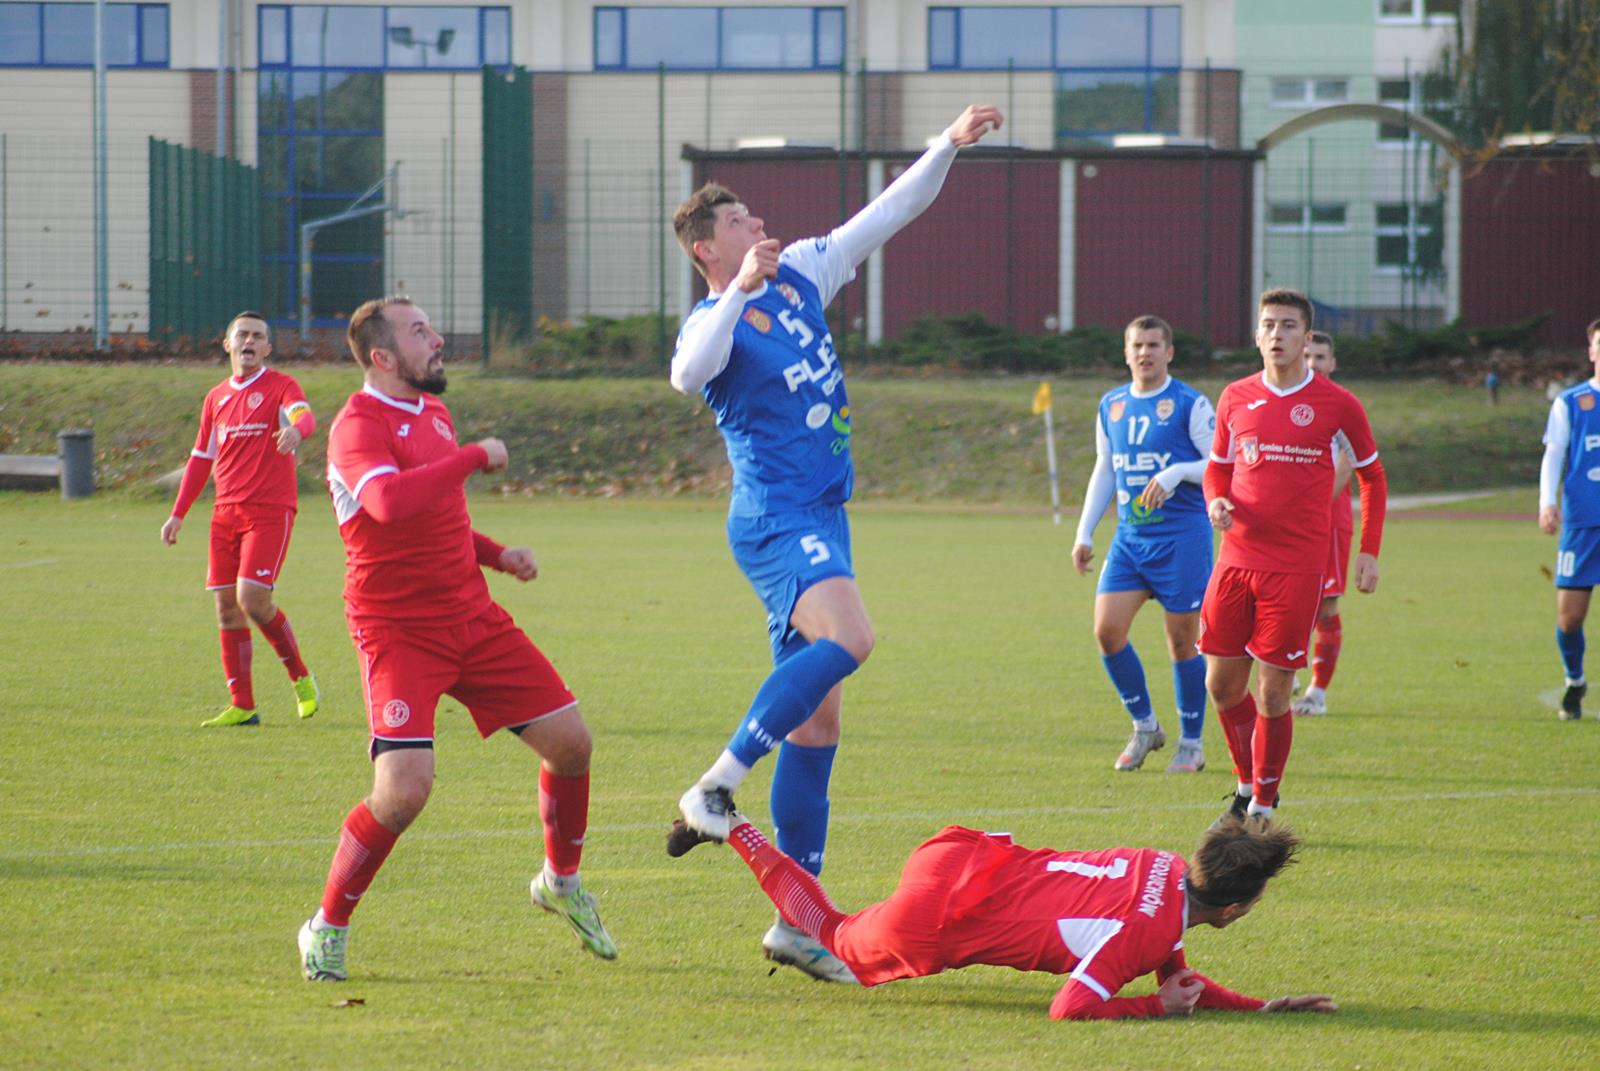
(1110, 638)
(568, 752)
(396, 804)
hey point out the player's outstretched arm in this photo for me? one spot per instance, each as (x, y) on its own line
(1311, 1002)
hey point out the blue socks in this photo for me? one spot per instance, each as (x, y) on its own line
(789, 695)
(1189, 685)
(1127, 676)
(799, 802)
(1571, 645)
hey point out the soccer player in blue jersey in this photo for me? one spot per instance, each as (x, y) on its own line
(1152, 438)
(758, 349)
(1572, 446)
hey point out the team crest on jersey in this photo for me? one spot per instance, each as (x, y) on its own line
(791, 295)
(442, 428)
(1116, 411)
(1302, 414)
(1586, 402)
(396, 713)
(255, 399)
(758, 320)
(1250, 449)
(818, 415)
(1164, 408)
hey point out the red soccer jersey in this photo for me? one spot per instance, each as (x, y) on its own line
(239, 423)
(1105, 917)
(421, 566)
(1280, 444)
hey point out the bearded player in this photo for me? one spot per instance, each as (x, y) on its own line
(1269, 491)
(250, 425)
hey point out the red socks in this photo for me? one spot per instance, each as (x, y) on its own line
(236, 648)
(363, 846)
(1270, 751)
(1238, 728)
(564, 811)
(1325, 653)
(281, 636)
(794, 890)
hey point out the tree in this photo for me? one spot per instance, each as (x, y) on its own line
(1520, 66)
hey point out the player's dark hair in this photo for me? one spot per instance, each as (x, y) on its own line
(1591, 329)
(1149, 323)
(1321, 338)
(1292, 298)
(696, 219)
(370, 329)
(1237, 857)
(247, 314)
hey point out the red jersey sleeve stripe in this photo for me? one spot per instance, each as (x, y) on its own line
(381, 470)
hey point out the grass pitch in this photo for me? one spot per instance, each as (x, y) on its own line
(153, 874)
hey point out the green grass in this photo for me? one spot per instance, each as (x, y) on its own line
(153, 874)
(932, 440)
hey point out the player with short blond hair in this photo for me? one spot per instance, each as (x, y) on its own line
(250, 426)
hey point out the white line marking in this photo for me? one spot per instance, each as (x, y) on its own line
(946, 817)
(28, 565)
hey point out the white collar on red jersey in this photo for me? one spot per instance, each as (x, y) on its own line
(241, 384)
(414, 408)
(1310, 375)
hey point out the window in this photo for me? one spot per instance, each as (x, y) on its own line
(1417, 10)
(1410, 238)
(1308, 92)
(383, 38)
(1316, 218)
(62, 35)
(1419, 94)
(718, 38)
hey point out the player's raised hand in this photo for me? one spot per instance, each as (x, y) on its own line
(1313, 1002)
(1550, 520)
(169, 531)
(497, 454)
(1180, 992)
(1366, 574)
(760, 263)
(974, 123)
(520, 563)
(1082, 555)
(1220, 511)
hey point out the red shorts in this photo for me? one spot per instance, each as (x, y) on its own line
(487, 664)
(901, 937)
(1261, 615)
(248, 543)
(1333, 581)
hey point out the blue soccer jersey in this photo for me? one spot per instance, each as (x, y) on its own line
(780, 403)
(1574, 427)
(1144, 435)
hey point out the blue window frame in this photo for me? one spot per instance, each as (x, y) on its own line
(1116, 67)
(320, 131)
(62, 35)
(718, 38)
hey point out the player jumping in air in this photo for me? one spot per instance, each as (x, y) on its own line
(1150, 441)
(1571, 435)
(1101, 918)
(1269, 490)
(758, 349)
(424, 625)
(250, 425)
(1320, 358)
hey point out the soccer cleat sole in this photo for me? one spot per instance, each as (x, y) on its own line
(680, 838)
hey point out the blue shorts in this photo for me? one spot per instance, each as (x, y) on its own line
(1578, 558)
(1174, 570)
(783, 554)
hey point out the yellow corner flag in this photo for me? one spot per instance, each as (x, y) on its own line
(1041, 399)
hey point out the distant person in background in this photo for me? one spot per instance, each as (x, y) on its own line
(1569, 503)
(758, 349)
(250, 425)
(1492, 383)
(1102, 918)
(1320, 358)
(1151, 440)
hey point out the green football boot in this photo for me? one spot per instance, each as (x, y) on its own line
(232, 716)
(582, 914)
(322, 953)
(308, 694)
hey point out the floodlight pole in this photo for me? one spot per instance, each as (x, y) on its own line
(102, 314)
(308, 235)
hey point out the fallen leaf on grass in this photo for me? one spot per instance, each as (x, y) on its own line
(351, 1002)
